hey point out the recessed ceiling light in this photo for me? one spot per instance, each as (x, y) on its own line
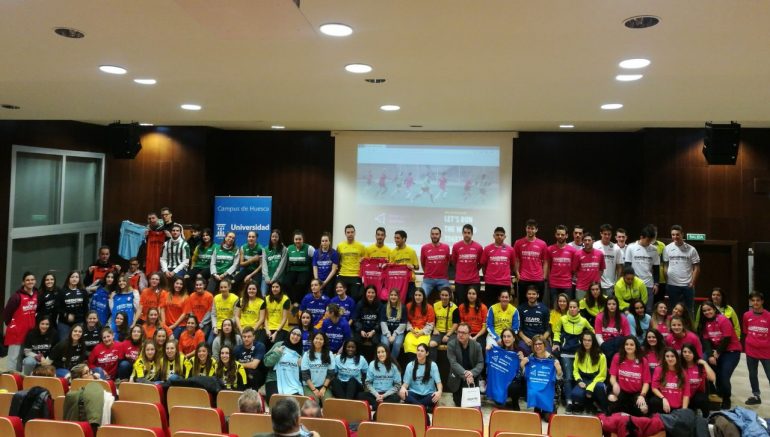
(634, 63)
(277, 126)
(390, 107)
(612, 106)
(191, 107)
(628, 77)
(358, 68)
(112, 69)
(69, 32)
(146, 124)
(566, 126)
(8, 106)
(375, 80)
(146, 81)
(641, 21)
(336, 29)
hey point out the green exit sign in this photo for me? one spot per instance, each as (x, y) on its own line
(696, 237)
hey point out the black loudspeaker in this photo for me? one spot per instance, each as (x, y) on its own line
(720, 145)
(123, 140)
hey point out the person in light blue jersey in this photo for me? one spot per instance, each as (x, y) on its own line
(422, 382)
(383, 379)
(283, 360)
(318, 369)
(351, 372)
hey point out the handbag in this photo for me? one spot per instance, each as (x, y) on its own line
(471, 397)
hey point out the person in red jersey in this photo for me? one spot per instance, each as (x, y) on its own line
(498, 261)
(558, 267)
(531, 254)
(434, 258)
(756, 332)
(466, 257)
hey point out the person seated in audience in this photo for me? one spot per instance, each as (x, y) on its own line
(336, 328)
(200, 364)
(593, 303)
(518, 387)
(228, 336)
(466, 362)
(383, 379)
(278, 306)
(191, 337)
(629, 379)
(310, 408)
(422, 383)
(107, 358)
(420, 321)
(172, 309)
(653, 347)
(285, 418)
(318, 368)
(172, 363)
(222, 309)
(567, 340)
(82, 371)
(46, 370)
(152, 296)
(560, 308)
(315, 303)
(534, 318)
(200, 304)
(250, 310)
(120, 325)
(681, 335)
(126, 301)
(251, 402)
(99, 299)
(306, 326)
(160, 339)
(366, 327)
(69, 352)
(71, 304)
(638, 320)
(680, 310)
(447, 319)
(38, 345)
(659, 319)
(249, 261)
(670, 387)
(697, 373)
(393, 323)
(153, 324)
(344, 301)
(719, 300)
(201, 260)
(147, 366)
(251, 354)
(474, 313)
(718, 336)
(92, 331)
(351, 371)
(283, 360)
(224, 261)
(500, 316)
(230, 372)
(589, 372)
(611, 325)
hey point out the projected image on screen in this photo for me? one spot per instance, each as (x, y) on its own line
(410, 186)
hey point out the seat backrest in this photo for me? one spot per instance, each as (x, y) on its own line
(5, 403)
(227, 401)
(128, 431)
(403, 414)
(56, 386)
(458, 418)
(325, 427)
(132, 391)
(197, 434)
(348, 410)
(246, 425)
(58, 407)
(276, 397)
(48, 428)
(76, 384)
(525, 422)
(187, 397)
(139, 414)
(11, 382)
(518, 434)
(562, 425)
(450, 432)
(196, 419)
(11, 427)
(381, 429)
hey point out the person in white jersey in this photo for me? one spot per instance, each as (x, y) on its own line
(643, 257)
(613, 260)
(683, 268)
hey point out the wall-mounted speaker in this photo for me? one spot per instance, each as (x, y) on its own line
(123, 140)
(720, 144)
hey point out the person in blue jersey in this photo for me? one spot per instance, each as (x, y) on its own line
(366, 327)
(318, 369)
(638, 320)
(326, 262)
(283, 360)
(383, 379)
(534, 318)
(336, 328)
(344, 301)
(351, 372)
(100, 297)
(521, 386)
(307, 329)
(422, 382)
(315, 303)
(393, 323)
(125, 300)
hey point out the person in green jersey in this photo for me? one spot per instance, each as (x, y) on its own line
(201, 260)
(249, 262)
(299, 268)
(274, 258)
(224, 261)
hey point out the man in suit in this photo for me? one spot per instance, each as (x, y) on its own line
(466, 362)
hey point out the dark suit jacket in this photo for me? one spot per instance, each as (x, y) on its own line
(455, 357)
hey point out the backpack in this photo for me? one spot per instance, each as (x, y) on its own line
(35, 403)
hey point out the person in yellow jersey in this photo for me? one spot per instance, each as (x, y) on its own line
(147, 366)
(250, 310)
(278, 306)
(447, 319)
(500, 316)
(404, 255)
(200, 364)
(351, 252)
(223, 308)
(378, 250)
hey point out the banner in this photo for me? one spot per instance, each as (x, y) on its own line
(241, 214)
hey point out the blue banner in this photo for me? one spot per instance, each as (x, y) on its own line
(241, 214)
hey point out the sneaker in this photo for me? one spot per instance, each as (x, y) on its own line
(754, 400)
(715, 398)
(569, 408)
(726, 404)
(577, 409)
(482, 386)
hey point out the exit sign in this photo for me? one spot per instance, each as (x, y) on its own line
(696, 237)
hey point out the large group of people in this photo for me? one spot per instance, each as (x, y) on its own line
(340, 322)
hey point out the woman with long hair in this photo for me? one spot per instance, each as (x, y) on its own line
(326, 262)
(560, 308)
(224, 261)
(108, 357)
(172, 363)
(250, 309)
(526, 374)
(200, 364)
(278, 306)
(72, 304)
(422, 382)
(697, 372)
(306, 326)
(223, 307)
(38, 345)
(46, 299)
(638, 320)
(317, 369)
(366, 327)
(336, 328)
(229, 335)
(474, 313)
(670, 388)
(630, 379)
(383, 379)
(92, 334)
(611, 326)
(719, 300)
(681, 335)
(249, 261)
(99, 300)
(593, 303)
(589, 371)
(344, 301)
(125, 300)
(147, 366)
(132, 345)
(420, 320)
(567, 341)
(201, 260)
(718, 334)
(119, 324)
(315, 303)
(351, 372)
(299, 267)
(160, 338)
(680, 311)
(659, 319)
(152, 296)
(283, 360)
(653, 347)
(393, 323)
(274, 261)
(191, 337)
(70, 352)
(230, 372)
(172, 308)
(447, 320)
(153, 324)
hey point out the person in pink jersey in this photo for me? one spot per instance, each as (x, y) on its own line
(558, 267)
(680, 335)
(756, 332)
(588, 265)
(497, 260)
(719, 334)
(630, 379)
(466, 257)
(670, 387)
(434, 258)
(529, 267)
(697, 372)
(611, 326)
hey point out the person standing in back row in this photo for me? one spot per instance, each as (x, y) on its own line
(351, 252)
(613, 260)
(683, 264)
(530, 261)
(434, 257)
(404, 255)
(643, 257)
(466, 257)
(558, 268)
(498, 261)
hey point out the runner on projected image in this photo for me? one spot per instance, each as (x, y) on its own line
(484, 185)
(442, 181)
(382, 184)
(425, 189)
(467, 187)
(408, 184)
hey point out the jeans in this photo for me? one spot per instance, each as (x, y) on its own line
(726, 365)
(752, 363)
(14, 357)
(178, 331)
(64, 330)
(29, 363)
(567, 360)
(395, 348)
(461, 292)
(431, 284)
(681, 294)
(578, 395)
(125, 368)
(650, 301)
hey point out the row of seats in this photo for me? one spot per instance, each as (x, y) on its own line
(13, 382)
